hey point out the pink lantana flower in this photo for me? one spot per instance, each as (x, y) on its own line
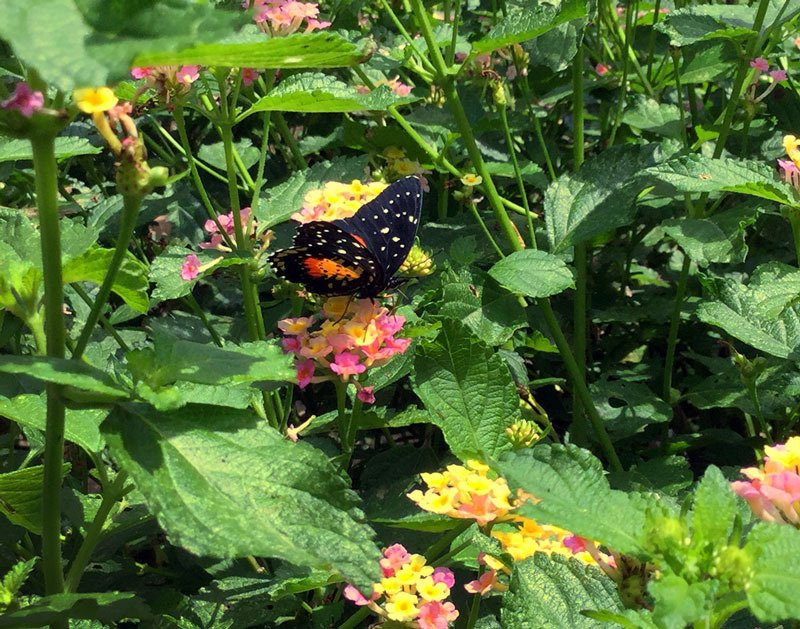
(188, 74)
(778, 75)
(347, 364)
(485, 584)
(305, 372)
(366, 395)
(352, 593)
(601, 69)
(142, 72)
(444, 575)
(25, 100)
(190, 268)
(760, 64)
(249, 76)
(216, 240)
(394, 558)
(436, 615)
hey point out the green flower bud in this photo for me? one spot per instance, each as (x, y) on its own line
(523, 434)
(419, 263)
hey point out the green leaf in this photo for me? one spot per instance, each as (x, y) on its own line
(533, 273)
(489, 311)
(76, 43)
(103, 607)
(596, 199)
(62, 371)
(772, 592)
(697, 23)
(130, 282)
(648, 114)
(322, 93)
(709, 61)
(224, 485)
(574, 494)
(299, 50)
(679, 603)
(468, 390)
(285, 199)
(763, 314)
(81, 426)
(627, 407)
(15, 578)
(21, 496)
(552, 591)
(13, 149)
(529, 22)
(214, 154)
(165, 270)
(695, 173)
(714, 509)
(173, 360)
(716, 239)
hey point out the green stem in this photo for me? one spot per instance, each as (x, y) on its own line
(103, 320)
(752, 391)
(201, 314)
(517, 172)
(579, 385)
(290, 141)
(46, 173)
(473, 611)
(623, 88)
(343, 420)
(445, 540)
(262, 158)
(672, 338)
(794, 220)
(110, 497)
(651, 44)
(404, 33)
(130, 212)
(356, 619)
(581, 257)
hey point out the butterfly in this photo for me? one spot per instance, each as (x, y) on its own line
(357, 255)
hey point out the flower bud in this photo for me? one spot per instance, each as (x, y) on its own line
(419, 263)
(523, 434)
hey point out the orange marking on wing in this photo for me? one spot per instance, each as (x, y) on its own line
(327, 268)
(359, 240)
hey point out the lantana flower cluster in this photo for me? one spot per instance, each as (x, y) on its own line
(24, 99)
(410, 591)
(398, 165)
(396, 85)
(345, 339)
(337, 200)
(169, 81)
(471, 493)
(773, 490)
(279, 18)
(791, 167)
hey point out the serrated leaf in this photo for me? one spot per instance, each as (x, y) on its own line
(81, 426)
(697, 23)
(15, 578)
(283, 200)
(553, 591)
(13, 149)
(772, 591)
(322, 93)
(696, 173)
(574, 494)
(490, 312)
(102, 607)
(468, 391)
(709, 61)
(713, 509)
(62, 371)
(74, 43)
(628, 407)
(596, 199)
(224, 485)
(648, 114)
(21, 496)
(529, 22)
(533, 273)
(130, 283)
(763, 314)
(298, 50)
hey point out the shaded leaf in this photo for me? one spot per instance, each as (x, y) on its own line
(62, 371)
(13, 149)
(130, 283)
(21, 496)
(533, 273)
(103, 607)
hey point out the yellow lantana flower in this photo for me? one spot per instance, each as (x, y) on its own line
(402, 607)
(94, 99)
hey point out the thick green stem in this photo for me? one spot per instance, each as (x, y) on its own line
(473, 611)
(672, 338)
(46, 173)
(130, 211)
(581, 258)
(356, 619)
(110, 497)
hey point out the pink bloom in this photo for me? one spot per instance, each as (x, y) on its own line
(760, 64)
(788, 167)
(190, 268)
(213, 243)
(351, 593)
(390, 324)
(444, 575)
(291, 344)
(436, 615)
(312, 24)
(249, 76)
(346, 364)
(367, 395)
(188, 74)
(24, 100)
(141, 73)
(483, 584)
(601, 69)
(394, 558)
(305, 371)
(778, 75)
(575, 543)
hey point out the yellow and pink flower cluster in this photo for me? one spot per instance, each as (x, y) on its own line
(337, 200)
(346, 338)
(773, 491)
(279, 18)
(791, 167)
(410, 591)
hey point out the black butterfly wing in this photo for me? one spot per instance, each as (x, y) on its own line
(328, 261)
(388, 224)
